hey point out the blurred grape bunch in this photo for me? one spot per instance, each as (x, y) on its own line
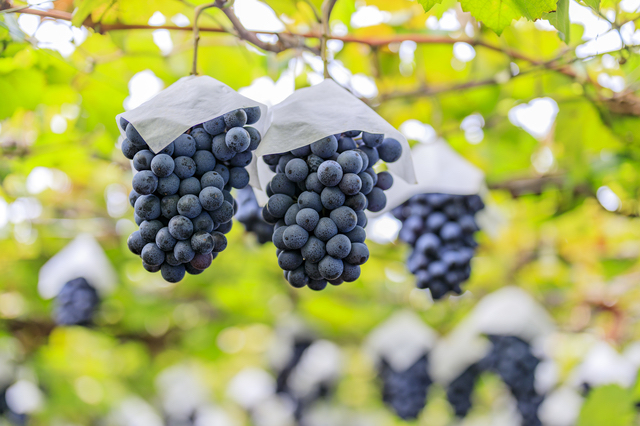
(307, 368)
(76, 303)
(181, 194)
(440, 229)
(513, 360)
(317, 201)
(504, 334)
(250, 215)
(400, 347)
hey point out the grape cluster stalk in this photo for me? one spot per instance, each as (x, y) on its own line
(440, 229)
(250, 215)
(317, 200)
(406, 391)
(181, 195)
(76, 303)
(512, 359)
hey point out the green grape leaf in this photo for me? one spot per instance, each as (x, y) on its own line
(593, 4)
(84, 9)
(428, 4)
(560, 20)
(610, 405)
(498, 14)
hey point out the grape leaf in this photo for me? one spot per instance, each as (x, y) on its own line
(610, 405)
(593, 4)
(428, 4)
(498, 14)
(560, 20)
(84, 9)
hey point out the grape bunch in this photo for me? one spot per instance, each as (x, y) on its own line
(282, 386)
(440, 229)
(181, 195)
(317, 200)
(406, 391)
(250, 215)
(76, 303)
(512, 359)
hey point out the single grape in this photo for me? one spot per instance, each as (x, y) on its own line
(224, 214)
(357, 235)
(211, 198)
(350, 273)
(202, 242)
(345, 143)
(344, 218)
(172, 274)
(164, 240)
(142, 160)
(133, 196)
(291, 214)
(136, 243)
(152, 255)
(183, 251)
(214, 126)
(356, 202)
(280, 184)
(325, 147)
(332, 198)
(377, 200)
(303, 151)
(350, 184)
(295, 237)
(350, 161)
(189, 186)
(220, 149)
(168, 185)
(385, 181)
(145, 182)
(169, 206)
(358, 255)
(278, 205)
(149, 229)
(325, 229)
(212, 179)
(134, 137)
(298, 278)
(242, 159)
(330, 268)
(339, 246)
(205, 162)
(129, 150)
(219, 242)
(290, 260)
(372, 140)
(314, 250)
(180, 227)
(317, 285)
(238, 177)
(235, 119)
(147, 207)
(390, 150)
(185, 167)
(296, 170)
(162, 165)
(189, 206)
(201, 261)
(238, 139)
(330, 173)
(307, 218)
(223, 171)
(367, 183)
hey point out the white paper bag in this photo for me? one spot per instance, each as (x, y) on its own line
(316, 112)
(82, 258)
(401, 340)
(187, 102)
(438, 168)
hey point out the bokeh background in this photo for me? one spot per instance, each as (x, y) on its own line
(554, 127)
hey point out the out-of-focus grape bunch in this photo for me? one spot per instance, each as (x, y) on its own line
(250, 215)
(440, 229)
(406, 391)
(317, 202)
(512, 359)
(181, 195)
(76, 303)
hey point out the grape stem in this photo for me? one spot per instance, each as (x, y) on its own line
(327, 7)
(196, 32)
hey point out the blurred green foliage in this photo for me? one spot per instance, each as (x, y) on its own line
(554, 239)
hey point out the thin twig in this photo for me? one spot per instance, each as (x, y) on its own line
(196, 33)
(327, 7)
